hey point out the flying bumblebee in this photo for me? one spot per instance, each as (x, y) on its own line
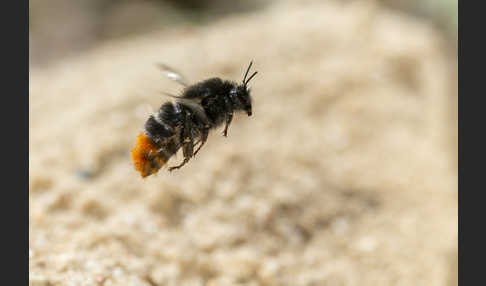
(187, 121)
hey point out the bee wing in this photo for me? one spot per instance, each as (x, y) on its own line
(193, 103)
(170, 94)
(172, 74)
(196, 107)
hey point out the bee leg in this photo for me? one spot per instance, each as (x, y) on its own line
(195, 143)
(204, 137)
(229, 116)
(187, 149)
(187, 145)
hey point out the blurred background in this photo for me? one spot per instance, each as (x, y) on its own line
(345, 175)
(60, 28)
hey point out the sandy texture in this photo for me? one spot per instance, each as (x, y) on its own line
(345, 175)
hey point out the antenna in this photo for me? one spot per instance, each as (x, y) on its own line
(245, 81)
(251, 77)
(247, 70)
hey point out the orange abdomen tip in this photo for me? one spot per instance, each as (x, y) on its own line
(144, 156)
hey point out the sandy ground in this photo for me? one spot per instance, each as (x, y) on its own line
(345, 175)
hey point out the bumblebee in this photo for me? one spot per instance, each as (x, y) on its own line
(187, 121)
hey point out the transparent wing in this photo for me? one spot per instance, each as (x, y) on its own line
(172, 74)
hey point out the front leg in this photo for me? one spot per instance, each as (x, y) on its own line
(229, 116)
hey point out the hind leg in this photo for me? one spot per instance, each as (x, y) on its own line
(187, 144)
(204, 137)
(187, 151)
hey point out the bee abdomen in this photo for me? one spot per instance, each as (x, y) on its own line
(156, 130)
(158, 143)
(145, 156)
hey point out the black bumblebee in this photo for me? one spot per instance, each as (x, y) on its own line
(187, 121)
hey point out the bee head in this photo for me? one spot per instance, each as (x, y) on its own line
(242, 93)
